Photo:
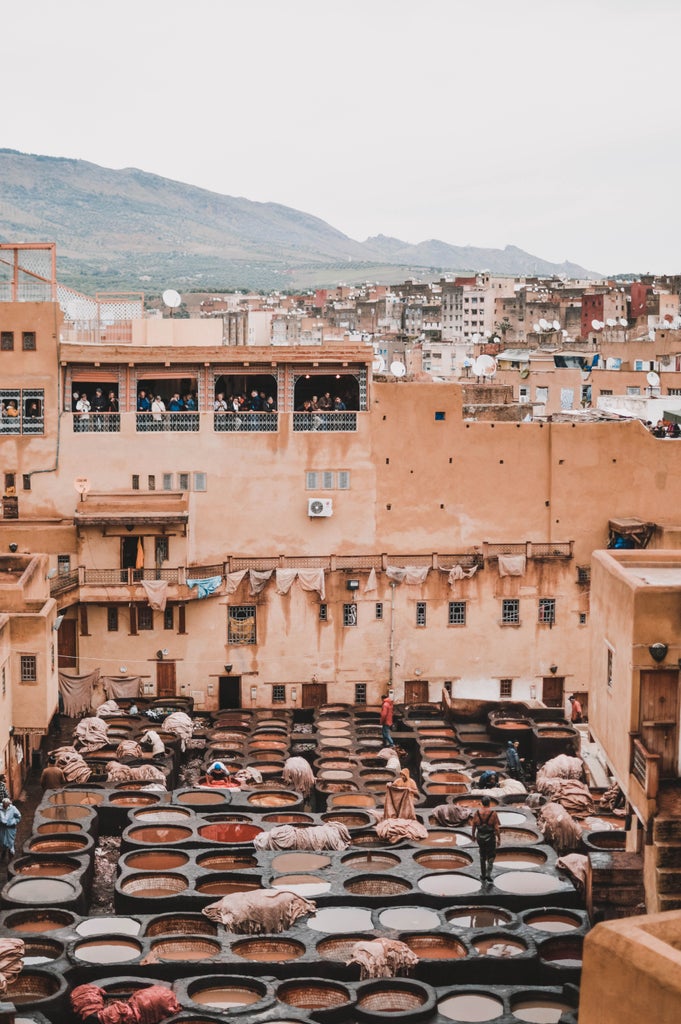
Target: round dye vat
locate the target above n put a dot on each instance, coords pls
(108, 950)
(562, 951)
(540, 1011)
(181, 924)
(156, 860)
(436, 838)
(108, 926)
(202, 798)
(611, 840)
(557, 921)
(133, 799)
(154, 886)
(513, 836)
(33, 986)
(443, 789)
(300, 862)
(443, 861)
(226, 861)
(377, 885)
(39, 921)
(66, 812)
(335, 741)
(41, 891)
(447, 777)
(410, 919)
(362, 861)
(472, 801)
(334, 774)
(82, 797)
(288, 818)
(58, 843)
(352, 800)
(269, 950)
(273, 743)
(499, 946)
(274, 799)
(224, 995)
(230, 832)
(186, 948)
(303, 885)
(228, 884)
(341, 919)
(517, 860)
(477, 917)
(40, 951)
(37, 867)
(159, 835)
(435, 946)
(65, 827)
(471, 1006)
(449, 885)
(338, 949)
(443, 753)
(527, 883)
(389, 998)
(162, 816)
(312, 994)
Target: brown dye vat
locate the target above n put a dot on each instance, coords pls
(377, 885)
(471, 1006)
(84, 797)
(107, 951)
(348, 819)
(475, 754)
(563, 734)
(334, 774)
(540, 1011)
(370, 861)
(59, 844)
(553, 921)
(385, 997)
(373, 775)
(474, 801)
(59, 826)
(269, 769)
(40, 891)
(428, 734)
(66, 812)
(477, 917)
(227, 817)
(230, 832)
(41, 950)
(181, 924)
(443, 789)
(31, 987)
(338, 787)
(303, 885)
(366, 839)
(410, 919)
(608, 840)
(225, 861)
(159, 834)
(185, 949)
(449, 885)
(226, 886)
(436, 838)
(444, 776)
(38, 921)
(335, 741)
(535, 883)
(46, 868)
(133, 799)
(274, 799)
(312, 994)
(333, 752)
(236, 737)
(341, 919)
(345, 765)
(562, 951)
(286, 862)
(204, 797)
(156, 860)
(155, 885)
(487, 766)
(275, 951)
(352, 800)
(162, 816)
(511, 723)
(225, 996)
(443, 861)
(288, 819)
(499, 946)
(518, 835)
(443, 753)
(520, 860)
(338, 949)
(268, 744)
(435, 946)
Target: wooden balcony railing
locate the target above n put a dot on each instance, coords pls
(645, 767)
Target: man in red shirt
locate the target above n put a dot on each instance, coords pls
(387, 719)
(576, 714)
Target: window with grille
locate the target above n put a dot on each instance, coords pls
(145, 617)
(162, 549)
(311, 481)
(349, 614)
(183, 481)
(241, 624)
(278, 694)
(457, 613)
(583, 573)
(63, 564)
(28, 341)
(135, 482)
(168, 617)
(167, 481)
(609, 669)
(505, 688)
(343, 480)
(29, 668)
(510, 611)
(26, 481)
(582, 619)
(200, 482)
(4, 681)
(112, 619)
(547, 610)
(7, 341)
(328, 480)
(379, 609)
(151, 482)
(323, 612)
(420, 613)
(360, 693)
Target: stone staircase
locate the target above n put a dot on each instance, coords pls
(667, 843)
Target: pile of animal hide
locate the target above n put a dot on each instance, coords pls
(130, 749)
(11, 961)
(91, 734)
(382, 958)
(145, 1006)
(298, 775)
(180, 725)
(331, 836)
(576, 865)
(558, 828)
(562, 767)
(72, 764)
(573, 795)
(259, 911)
(392, 761)
(451, 815)
(109, 707)
(392, 830)
(116, 772)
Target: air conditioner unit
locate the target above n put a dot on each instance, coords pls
(319, 507)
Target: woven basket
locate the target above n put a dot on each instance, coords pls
(31, 986)
(186, 949)
(312, 995)
(269, 950)
(434, 946)
(379, 885)
(226, 861)
(391, 1000)
(139, 885)
(43, 947)
(182, 924)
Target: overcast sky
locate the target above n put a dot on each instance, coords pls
(552, 125)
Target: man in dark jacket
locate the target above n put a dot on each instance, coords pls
(486, 830)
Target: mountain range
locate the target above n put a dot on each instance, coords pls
(128, 229)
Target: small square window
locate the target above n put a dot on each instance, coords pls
(7, 341)
(167, 481)
(168, 617)
(582, 618)
(26, 481)
(151, 482)
(447, 686)
(278, 694)
(420, 613)
(183, 481)
(135, 482)
(609, 670)
(145, 617)
(328, 480)
(360, 693)
(200, 482)
(505, 688)
(4, 681)
(311, 481)
(350, 614)
(439, 415)
(112, 619)
(28, 341)
(323, 612)
(343, 480)
(29, 668)
(379, 609)
(510, 611)
(547, 610)
(457, 613)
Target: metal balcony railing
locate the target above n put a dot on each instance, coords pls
(324, 422)
(97, 423)
(158, 422)
(246, 422)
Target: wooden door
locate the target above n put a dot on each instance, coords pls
(165, 679)
(230, 691)
(552, 691)
(314, 695)
(659, 717)
(67, 654)
(416, 691)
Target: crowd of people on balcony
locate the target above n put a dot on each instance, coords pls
(663, 428)
(256, 401)
(324, 404)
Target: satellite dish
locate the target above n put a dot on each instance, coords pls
(544, 324)
(524, 373)
(536, 328)
(651, 334)
(171, 298)
(485, 366)
(82, 484)
(623, 322)
(564, 333)
(556, 325)
(398, 369)
(378, 365)
(475, 338)
(653, 379)
(596, 324)
(611, 323)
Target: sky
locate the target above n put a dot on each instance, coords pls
(551, 125)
